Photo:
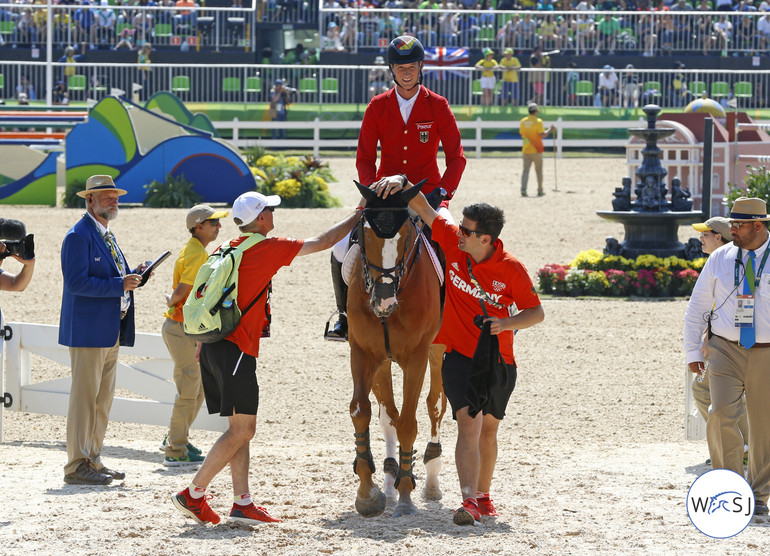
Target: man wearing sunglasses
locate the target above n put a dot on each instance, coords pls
(731, 302)
(203, 223)
(482, 280)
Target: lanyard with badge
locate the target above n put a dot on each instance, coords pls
(744, 311)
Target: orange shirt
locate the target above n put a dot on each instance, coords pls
(258, 266)
(530, 129)
(502, 276)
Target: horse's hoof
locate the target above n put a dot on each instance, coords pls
(391, 501)
(404, 509)
(432, 493)
(371, 507)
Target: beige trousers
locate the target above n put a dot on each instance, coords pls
(189, 390)
(93, 387)
(735, 370)
(702, 396)
(529, 159)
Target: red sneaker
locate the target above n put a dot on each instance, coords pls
(196, 508)
(486, 508)
(251, 515)
(468, 513)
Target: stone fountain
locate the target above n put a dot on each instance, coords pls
(650, 220)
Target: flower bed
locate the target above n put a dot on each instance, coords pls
(302, 182)
(593, 273)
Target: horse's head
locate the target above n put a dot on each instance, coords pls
(387, 237)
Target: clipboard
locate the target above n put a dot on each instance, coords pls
(149, 270)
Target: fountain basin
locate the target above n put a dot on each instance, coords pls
(654, 233)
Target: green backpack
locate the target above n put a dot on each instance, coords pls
(211, 311)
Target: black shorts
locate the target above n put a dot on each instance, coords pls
(229, 379)
(455, 372)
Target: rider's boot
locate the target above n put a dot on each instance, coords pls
(338, 332)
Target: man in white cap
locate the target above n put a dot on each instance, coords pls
(714, 233)
(731, 301)
(608, 86)
(97, 317)
(203, 223)
(228, 367)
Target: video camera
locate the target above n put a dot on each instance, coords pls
(17, 242)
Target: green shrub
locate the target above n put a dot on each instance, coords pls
(756, 184)
(173, 193)
(70, 198)
(301, 182)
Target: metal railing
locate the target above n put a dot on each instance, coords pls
(579, 32)
(326, 85)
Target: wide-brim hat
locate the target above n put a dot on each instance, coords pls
(718, 224)
(746, 208)
(99, 183)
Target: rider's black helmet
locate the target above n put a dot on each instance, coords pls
(405, 50)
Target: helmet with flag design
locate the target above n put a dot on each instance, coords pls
(405, 50)
(487, 51)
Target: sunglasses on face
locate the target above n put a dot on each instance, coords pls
(737, 225)
(271, 209)
(467, 233)
(213, 221)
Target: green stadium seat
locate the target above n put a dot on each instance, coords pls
(231, 84)
(585, 89)
(330, 86)
(720, 89)
(180, 84)
(253, 84)
(697, 88)
(743, 89)
(308, 85)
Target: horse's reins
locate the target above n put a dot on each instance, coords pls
(401, 268)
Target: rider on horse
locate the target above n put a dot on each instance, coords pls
(408, 122)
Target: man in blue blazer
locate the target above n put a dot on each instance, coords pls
(97, 316)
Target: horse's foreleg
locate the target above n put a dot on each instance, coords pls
(383, 391)
(370, 501)
(414, 374)
(436, 402)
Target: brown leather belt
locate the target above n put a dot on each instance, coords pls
(756, 345)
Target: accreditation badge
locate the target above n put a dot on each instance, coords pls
(744, 311)
(424, 128)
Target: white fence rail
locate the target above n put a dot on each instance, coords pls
(151, 378)
(476, 144)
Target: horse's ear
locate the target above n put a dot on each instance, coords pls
(366, 193)
(412, 192)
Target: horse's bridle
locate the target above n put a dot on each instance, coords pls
(376, 287)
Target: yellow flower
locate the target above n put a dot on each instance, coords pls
(258, 172)
(320, 182)
(587, 259)
(288, 188)
(267, 160)
(292, 160)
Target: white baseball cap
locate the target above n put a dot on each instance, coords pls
(248, 206)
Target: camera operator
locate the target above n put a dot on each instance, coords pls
(22, 251)
(280, 99)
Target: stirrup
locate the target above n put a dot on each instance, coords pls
(332, 337)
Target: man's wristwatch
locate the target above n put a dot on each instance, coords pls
(404, 181)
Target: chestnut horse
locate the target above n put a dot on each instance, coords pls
(394, 312)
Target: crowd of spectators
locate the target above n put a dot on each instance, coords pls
(657, 29)
(725, 26)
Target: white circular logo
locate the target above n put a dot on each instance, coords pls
(720, 503)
